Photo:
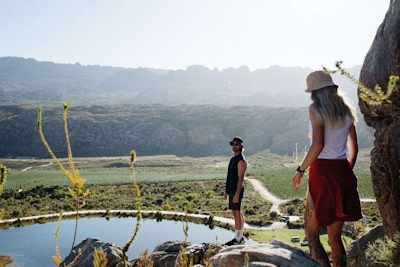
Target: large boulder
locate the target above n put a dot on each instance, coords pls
(86, 248)
(382, 61)
(272, 254)
(166, 253)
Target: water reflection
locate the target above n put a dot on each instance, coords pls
(34, 245)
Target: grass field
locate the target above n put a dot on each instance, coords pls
(274, 171)
(285, 235)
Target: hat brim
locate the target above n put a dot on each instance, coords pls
(231, 142)
(320, 85)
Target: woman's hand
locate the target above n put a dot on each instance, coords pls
(296, 180)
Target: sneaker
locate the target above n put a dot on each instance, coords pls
(235, 242)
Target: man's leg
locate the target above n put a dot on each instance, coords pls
(241, 230)
(312, 233)
(239, 221)
(335, 241)
(238, 217)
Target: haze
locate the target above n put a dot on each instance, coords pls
(176, 34)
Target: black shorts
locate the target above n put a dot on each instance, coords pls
(236, 206)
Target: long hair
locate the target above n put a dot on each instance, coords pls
(331, 107)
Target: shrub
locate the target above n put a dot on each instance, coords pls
(178, 197)
(159, 201)
(290, 210)
(166, 206)
(192, 196)
(385, 251)
(295, 225)
(249, 211)
(16, 213)
(185, 203)
(36, 201)
(209, 194)
(59, 194)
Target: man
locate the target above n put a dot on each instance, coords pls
(235, 188)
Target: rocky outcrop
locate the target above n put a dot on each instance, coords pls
(86, 251)
(167, 254)
(272, 254)
(382, 61)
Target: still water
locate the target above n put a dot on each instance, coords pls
(34, 245)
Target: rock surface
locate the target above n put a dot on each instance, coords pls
(165, 254)
(274, 253)
(382, 61)
(87, 246)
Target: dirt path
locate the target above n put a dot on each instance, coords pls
(264, 193)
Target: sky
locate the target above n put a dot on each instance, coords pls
(175, 34)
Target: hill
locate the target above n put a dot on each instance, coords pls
(190, 112)
(27, 81)
(157, 130)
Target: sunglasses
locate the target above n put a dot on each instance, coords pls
(235, 144)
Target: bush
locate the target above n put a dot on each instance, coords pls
(249, 211)
(166, 206)
(273, 215)
(178, 197)
(290, 210)
(192, 196)
(159, 201)
(385, 250)
(16, 213)
(59, 194)
(295, 225)
(209, 194)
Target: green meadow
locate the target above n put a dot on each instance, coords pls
(274, 171)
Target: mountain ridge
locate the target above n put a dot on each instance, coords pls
(27, 81)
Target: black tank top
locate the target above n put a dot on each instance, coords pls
(232, 177)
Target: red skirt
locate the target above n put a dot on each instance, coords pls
(333, 189)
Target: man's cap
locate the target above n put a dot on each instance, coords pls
(318, 80)
(236, 139)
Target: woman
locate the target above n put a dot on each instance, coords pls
(332, 195)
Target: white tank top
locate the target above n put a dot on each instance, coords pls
(335, 141)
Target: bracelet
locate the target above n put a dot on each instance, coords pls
(300, 171)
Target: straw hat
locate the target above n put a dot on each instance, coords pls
(317, 80)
